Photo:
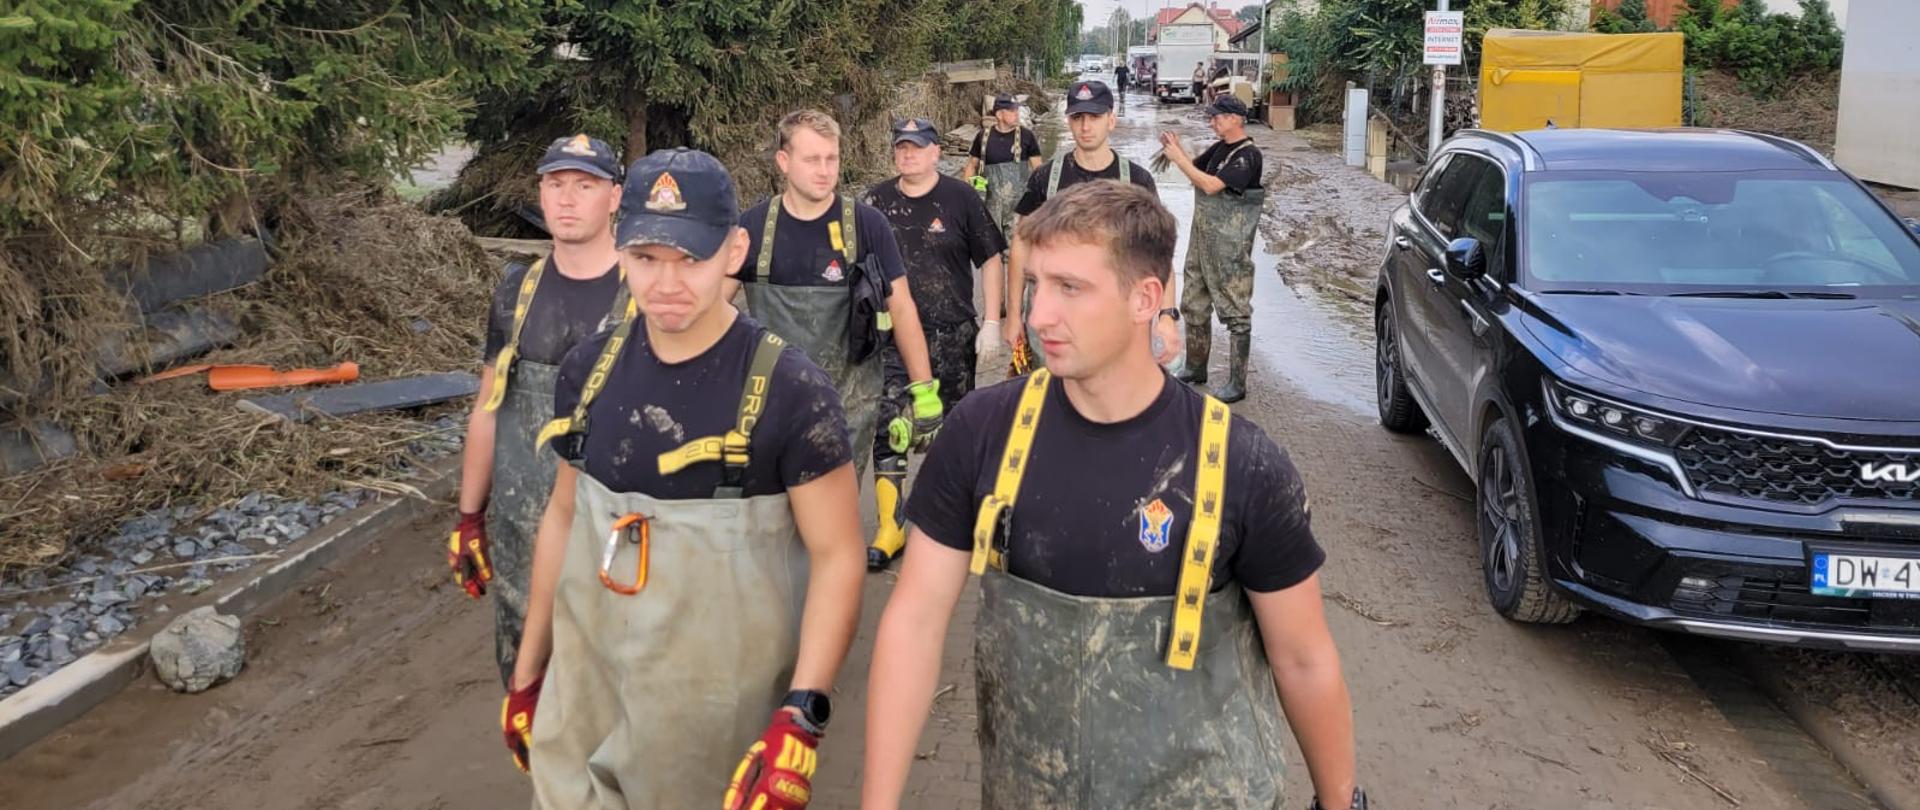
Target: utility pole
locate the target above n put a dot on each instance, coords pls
(1437, 119)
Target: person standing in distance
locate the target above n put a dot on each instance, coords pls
(1227, 200)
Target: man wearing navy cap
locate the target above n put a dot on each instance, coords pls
(944, 232)
(1090, 119)
(699, 565)
(1227, 200)
(1006, 153)
(538, 313)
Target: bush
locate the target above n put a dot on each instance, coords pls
(1767, 51)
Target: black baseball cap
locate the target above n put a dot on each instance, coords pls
(682, 198)
(1004, 103)
(1227, 105)
(1089, 97)
(917, 131)
(581, 153)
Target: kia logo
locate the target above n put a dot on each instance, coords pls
(1889, 473)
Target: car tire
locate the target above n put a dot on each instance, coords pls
(1399, 412)
(1512, 558)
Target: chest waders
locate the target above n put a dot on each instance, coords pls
(1039, 359)
(523, 470)
(1092, 702)
(675, 625)
(1219, 278)
(816, 320)
(1005, 182)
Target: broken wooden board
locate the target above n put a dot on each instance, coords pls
(167, 337)
(385, 395)
(519, 247)
(971, 70)
(203, 270)
(23, 449)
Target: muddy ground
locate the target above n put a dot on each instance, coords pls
(374, 686)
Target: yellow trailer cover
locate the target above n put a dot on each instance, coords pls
(1631, 81)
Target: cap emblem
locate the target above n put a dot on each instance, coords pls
(579, 145)
(665, 195)
(912, 126)
(1085, 93)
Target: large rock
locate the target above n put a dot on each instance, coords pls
(198, 651)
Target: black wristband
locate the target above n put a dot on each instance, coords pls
(1172, 312)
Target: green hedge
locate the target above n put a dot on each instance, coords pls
(1766, 51)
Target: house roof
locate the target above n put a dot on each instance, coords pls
(1221, 17)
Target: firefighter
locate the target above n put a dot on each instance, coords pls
(699, 565)
(944, 232)
(1006, 153)
(538, 313)
(1227, 200)
(1090, 119)
(823, 271)
(1149, 592)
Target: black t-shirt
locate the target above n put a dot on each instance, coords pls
(564, 312)
(1103, 509)
(1036, 195)
(1240, 173)
(943, 235)
(649, 407)
(803, 252)
(998, 146)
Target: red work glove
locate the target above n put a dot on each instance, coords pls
(467, 553)
(777, 772)
(516, 721)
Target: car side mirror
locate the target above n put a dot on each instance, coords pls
(1465, 260)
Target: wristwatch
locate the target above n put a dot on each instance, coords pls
(815, 708)
(1172, 312)
(1359, 801)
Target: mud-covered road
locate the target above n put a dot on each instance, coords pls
(374, 687)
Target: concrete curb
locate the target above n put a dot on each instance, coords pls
(40, 709)
(1882, 781)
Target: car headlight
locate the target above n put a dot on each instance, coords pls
(1613, 418)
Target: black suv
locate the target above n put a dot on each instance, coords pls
(1683, 370)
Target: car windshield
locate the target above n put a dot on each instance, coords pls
(1745, 234)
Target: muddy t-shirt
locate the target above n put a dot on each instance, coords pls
(803, 251)
(943, 235)
(649, 407)
(564, 312)
(1036, 195)
(1238, 170)
(1103, 509)
(998, 146)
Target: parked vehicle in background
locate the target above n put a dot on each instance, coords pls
(1092, 63)
(1682, 368)
(1142, 59)
(1181, 49)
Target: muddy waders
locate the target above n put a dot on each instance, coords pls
(523, 472)
(1219, 277)
(675, 627)
(816, 319)
(1094, 702)
(1005, 183)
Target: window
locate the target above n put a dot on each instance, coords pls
(1431, 179)
(1484, 216)
(1456, 180)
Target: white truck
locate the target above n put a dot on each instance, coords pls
(1181, 49)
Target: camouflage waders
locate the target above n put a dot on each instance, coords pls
(1005, 183)
(1219, 278)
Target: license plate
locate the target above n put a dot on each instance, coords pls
(1865, 575)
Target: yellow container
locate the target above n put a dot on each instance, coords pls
(1627, 81)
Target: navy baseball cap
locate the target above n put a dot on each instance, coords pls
(917, 131)
(583, 154)
(1089, 97)
(682, 198)
(1227, 105)
(1004, 103)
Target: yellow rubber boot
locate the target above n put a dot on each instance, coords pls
(892, 536)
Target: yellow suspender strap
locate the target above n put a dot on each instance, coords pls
(596, 380)
(1013, 465)
(503, 363)
(1203, 537)
(732, 447)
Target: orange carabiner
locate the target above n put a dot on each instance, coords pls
(635, 529)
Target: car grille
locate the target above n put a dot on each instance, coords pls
(1787, 600)
(1744, 465)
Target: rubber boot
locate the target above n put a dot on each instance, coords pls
(892, 536)
(1199, 346)
(1236, 387)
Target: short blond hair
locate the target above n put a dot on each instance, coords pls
(1138, 232)
(819, 122)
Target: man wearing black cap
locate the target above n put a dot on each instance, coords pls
(699, 564)
(538, 313)
(1227, 200)
(944, 232)
(1006, 153)
(1090, 119)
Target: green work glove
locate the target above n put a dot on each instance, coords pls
(914, 429)
(980, 183)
